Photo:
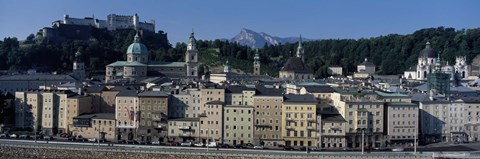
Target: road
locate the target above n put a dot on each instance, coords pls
(427, 152)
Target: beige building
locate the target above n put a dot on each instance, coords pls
(184, 129)
(472, 114)
(127, 115)
(211, 122)
(239, 95)
(75, 106)
(95, 126)
(402, 123)
(28, 109)
(331, 132)
(363, 113)
(268, 116)
(153, 116)
(299, 116)
(238, 124)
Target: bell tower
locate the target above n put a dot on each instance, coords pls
(78, 66)
(191, 57)
(256, 64)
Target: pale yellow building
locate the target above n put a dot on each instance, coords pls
(238, 124)
(268, 116)
(299, 116)
(211, 122)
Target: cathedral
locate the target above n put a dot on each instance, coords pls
(426, 65)
(138, 67)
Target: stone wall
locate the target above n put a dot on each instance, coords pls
(28, 153)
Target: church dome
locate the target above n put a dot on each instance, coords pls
(136, 47)
(428, 52)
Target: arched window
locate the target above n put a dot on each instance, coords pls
(424, 74)
(463, 74)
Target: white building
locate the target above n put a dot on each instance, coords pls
(113, 22)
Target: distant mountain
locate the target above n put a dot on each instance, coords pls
(253, 39)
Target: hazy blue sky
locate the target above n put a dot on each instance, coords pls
(212, 19)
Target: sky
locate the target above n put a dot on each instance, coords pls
(216, 19)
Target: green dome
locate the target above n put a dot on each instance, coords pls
(136, 47)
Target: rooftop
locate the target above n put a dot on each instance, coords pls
(333, 118)
(295, 64)
(97, 116)
(153, 94)
(299, 98)
(319, 89)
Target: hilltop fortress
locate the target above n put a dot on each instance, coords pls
(77, 28)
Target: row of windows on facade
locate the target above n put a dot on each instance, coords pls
(235, 119)
(298, 107)
(403, 123)
(363, 113)
(277, 128)
(362, 106)
(234, 127)
(268, 113)
(330, 131)
(295, 115)
(403, 130)
(365, 130)
(294, 133)
(364, 122)
(403, 115)
(301, 123)
(268, 107)
(235, 135)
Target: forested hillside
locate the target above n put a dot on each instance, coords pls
(392, 54)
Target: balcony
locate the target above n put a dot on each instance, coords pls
(288, 127)
(289, 119)
(310, 128)
(185, 134)
(184, 127)
(310, 119)
(263, 125)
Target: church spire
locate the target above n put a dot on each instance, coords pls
(300, 49)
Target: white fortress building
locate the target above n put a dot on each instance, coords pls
(426, 64)
(113, 22)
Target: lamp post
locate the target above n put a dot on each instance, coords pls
(35, 131)
(363, 136)
(415, 141)
(207, 143)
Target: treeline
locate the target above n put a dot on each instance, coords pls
(104, 47)
(392, 54)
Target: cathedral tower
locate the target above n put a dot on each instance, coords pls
(300, 50)
(191, 57)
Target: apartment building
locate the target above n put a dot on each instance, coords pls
(153, 114)
(238, 124)
(299, 120)
(267, 116)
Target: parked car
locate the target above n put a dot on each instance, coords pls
(186, 144)
(82, 139)
(174, 144)
(199, 144)
(288, 148)
(347, 149)
(258, 147)
(381, 148)
(92, 140)
(63, 135)
(48, 138)
(240, 146)
(13, 136)
(212, 144)
(24, 136)
(4, 135)
(156, 143)
(38, 137)
(71, 138)
(398, 149)
(102, 140)
(224, 146)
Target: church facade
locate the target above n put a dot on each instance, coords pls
(138, 67)
(295, 68)
(426, 65)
